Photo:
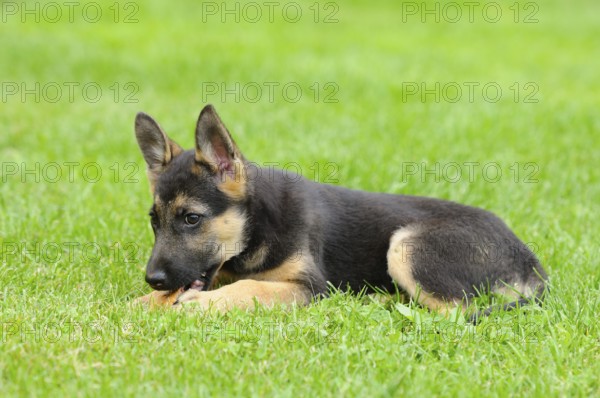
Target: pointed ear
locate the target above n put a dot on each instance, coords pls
(214, 145)
(216, 149)
(157, 148)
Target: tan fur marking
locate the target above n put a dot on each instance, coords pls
(234, 186)
(180, 200)
(246, 293)
(399, 258)
(228, 228)
(289, 270)
(192, 205)
(176, 150)
(197, 169)
(438, 305)
(257, 258)
(152, 178)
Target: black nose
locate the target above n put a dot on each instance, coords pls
(156, 280)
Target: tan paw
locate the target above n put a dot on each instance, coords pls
(190, 296)
(195, 299)
(159, 298)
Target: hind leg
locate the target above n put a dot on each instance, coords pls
(402, 260)
(441, 265)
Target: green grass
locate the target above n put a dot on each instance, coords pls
(73, 252)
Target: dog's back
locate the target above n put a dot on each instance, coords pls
(350, 233)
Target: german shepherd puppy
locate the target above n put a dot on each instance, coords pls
(267, 237)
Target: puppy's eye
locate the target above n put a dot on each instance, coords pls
(192, 219)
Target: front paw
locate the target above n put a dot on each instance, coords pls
(190, 296)
(159, 298)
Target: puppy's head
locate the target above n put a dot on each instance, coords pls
(198, 215)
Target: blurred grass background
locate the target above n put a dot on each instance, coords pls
(364, 58)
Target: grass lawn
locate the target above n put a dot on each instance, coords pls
(493, 110)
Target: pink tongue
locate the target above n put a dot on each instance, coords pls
(198, 285)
